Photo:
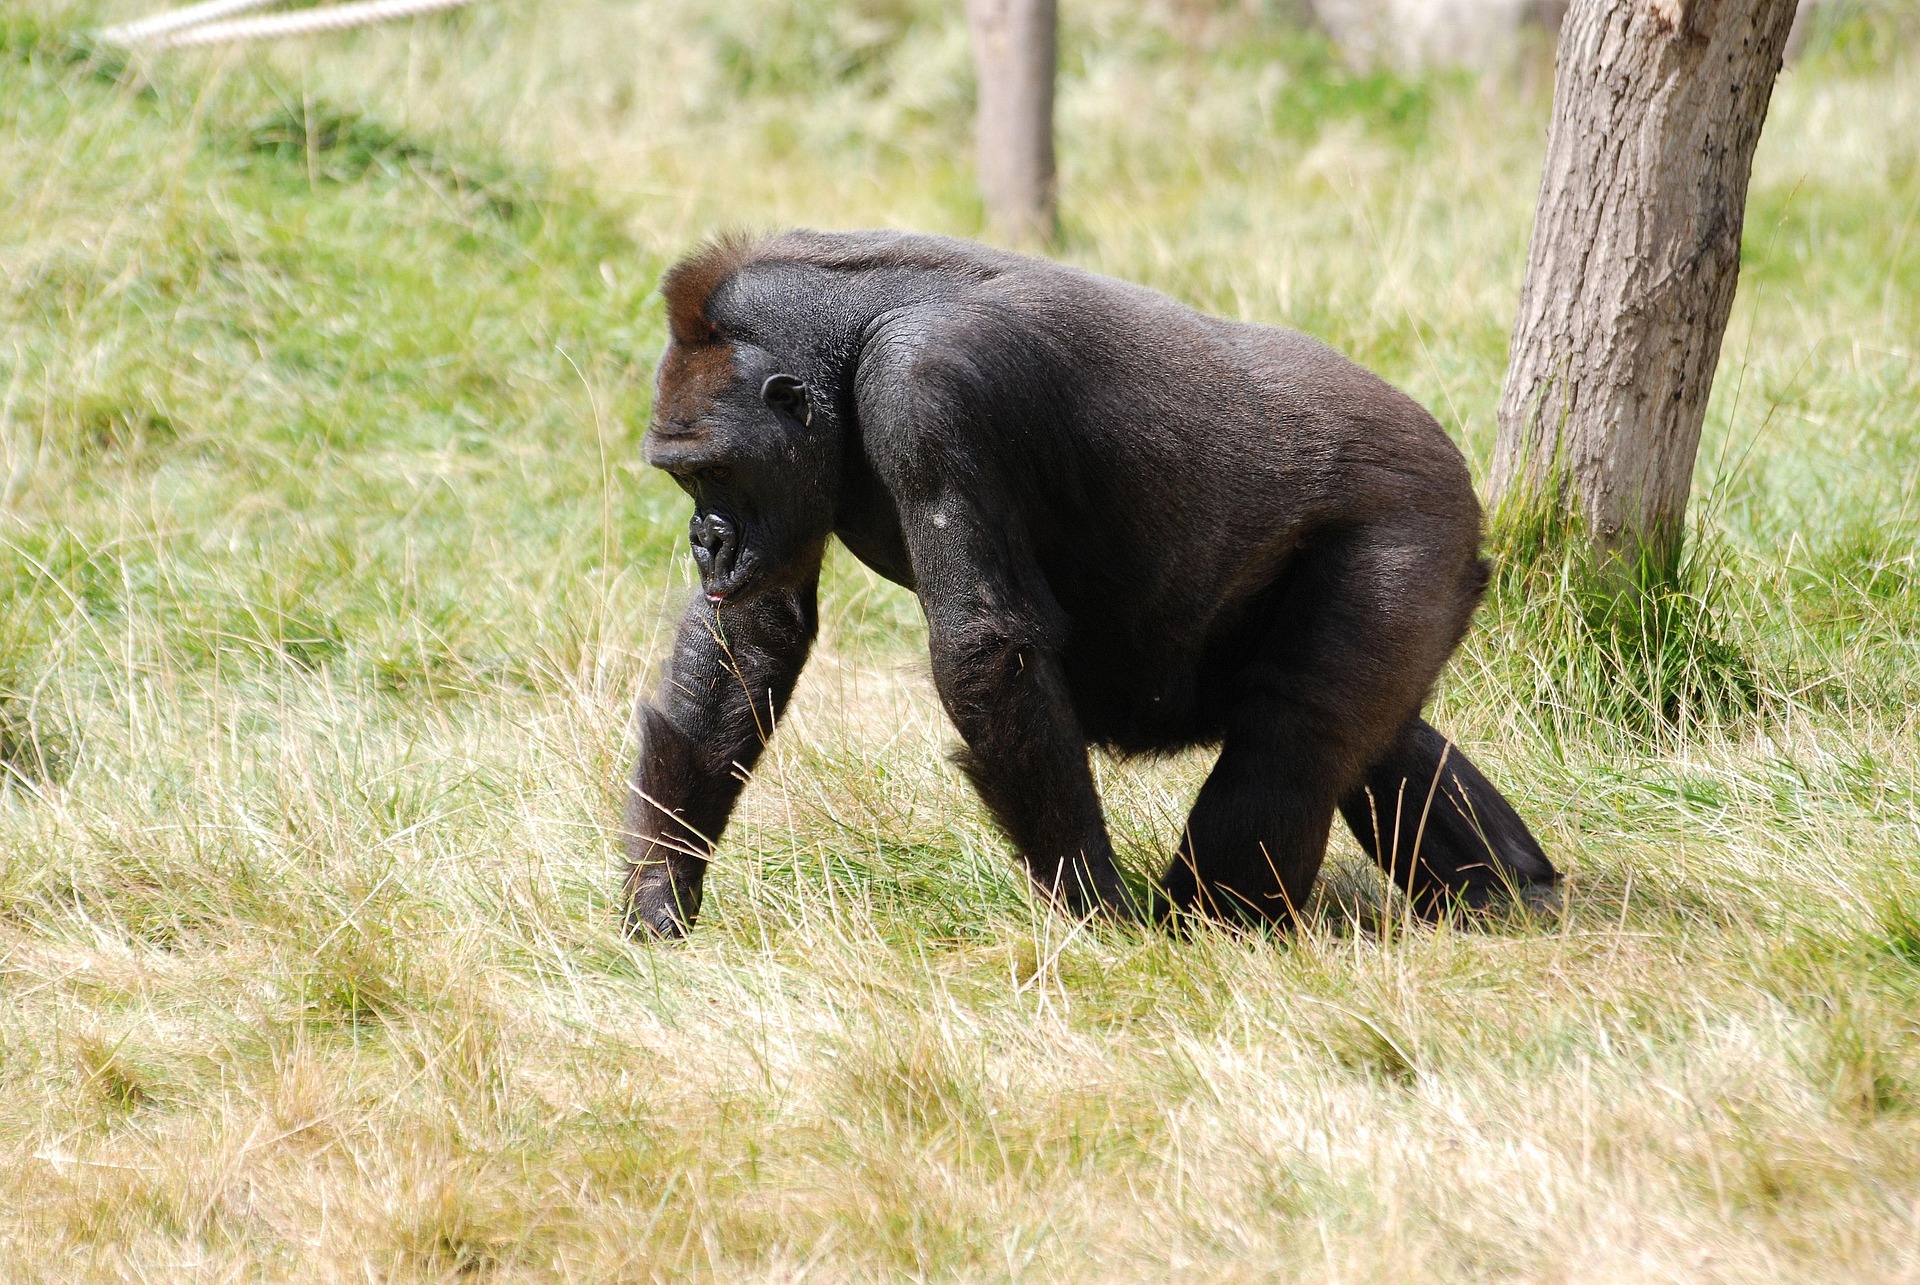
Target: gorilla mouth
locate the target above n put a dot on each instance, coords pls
(735, 584)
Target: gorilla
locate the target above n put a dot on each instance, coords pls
(1128, 524)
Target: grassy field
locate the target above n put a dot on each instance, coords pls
(329, 570)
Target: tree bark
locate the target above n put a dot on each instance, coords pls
(1013, 54)
(1657, 106)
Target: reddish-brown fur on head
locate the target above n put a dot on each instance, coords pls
(691, 282)
(699, 361)
(691, 377)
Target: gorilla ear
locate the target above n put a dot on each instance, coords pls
(787, 394)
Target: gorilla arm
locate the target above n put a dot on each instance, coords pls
(732, 671)
(999, 678)
(994, 628)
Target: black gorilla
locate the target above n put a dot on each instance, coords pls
(1126, 522)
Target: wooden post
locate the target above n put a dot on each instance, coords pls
(1014, 45)
(1657, 106)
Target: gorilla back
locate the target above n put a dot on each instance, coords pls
(1126, 522)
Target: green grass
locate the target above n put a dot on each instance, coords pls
(329, 571)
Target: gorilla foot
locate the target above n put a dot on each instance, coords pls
(1539, 901)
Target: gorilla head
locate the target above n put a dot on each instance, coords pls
(737, 428)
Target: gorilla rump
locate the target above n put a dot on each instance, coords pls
(1127, 523)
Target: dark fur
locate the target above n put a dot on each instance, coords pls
(1128, 524)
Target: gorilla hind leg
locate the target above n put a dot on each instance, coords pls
(1347, 641)
(1300, 719)
(1255, 839)
(1440, 829)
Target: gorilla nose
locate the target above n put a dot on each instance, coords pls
(715, 545)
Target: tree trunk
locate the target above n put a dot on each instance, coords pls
(1657, 105)
(1013, 56)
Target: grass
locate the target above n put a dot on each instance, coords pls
(329, 571)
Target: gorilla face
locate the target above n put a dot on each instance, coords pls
(741, 436)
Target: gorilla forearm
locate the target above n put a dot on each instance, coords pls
(1026, 756)
(732, 673)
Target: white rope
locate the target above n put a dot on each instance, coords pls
(160, 24)
(177, 30)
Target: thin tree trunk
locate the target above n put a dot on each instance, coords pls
(1636, 250)
(1013, 56)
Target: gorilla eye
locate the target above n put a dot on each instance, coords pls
(719, 473)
